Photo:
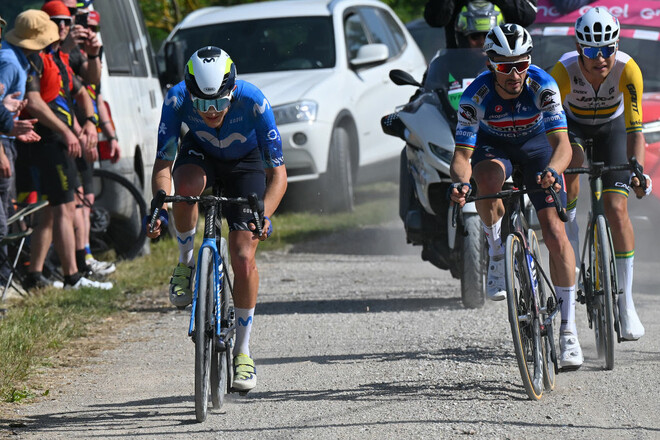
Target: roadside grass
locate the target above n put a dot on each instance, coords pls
(35, 328)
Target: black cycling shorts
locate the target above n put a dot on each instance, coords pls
(609, 146)
(236, 178)
(85, 172)
(46, 167)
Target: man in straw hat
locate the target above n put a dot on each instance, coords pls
(32, 32)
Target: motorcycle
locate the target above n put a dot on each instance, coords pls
(427, 124)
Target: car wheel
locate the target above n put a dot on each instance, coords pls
(337, 182)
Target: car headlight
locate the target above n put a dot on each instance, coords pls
(301, 111)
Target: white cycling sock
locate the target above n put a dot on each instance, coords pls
(244, 319)
(494, 237)
(186, 241)
(573, 230)
(567, 297)
(624, 271)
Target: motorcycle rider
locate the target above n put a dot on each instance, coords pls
(513, 115)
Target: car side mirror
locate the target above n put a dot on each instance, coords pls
(371, 54)
(174, 63)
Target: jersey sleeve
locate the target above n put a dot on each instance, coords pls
(268, 136)
(560, 75)
(469, 114)
(169, 127)
(632, 86)
(548, 100)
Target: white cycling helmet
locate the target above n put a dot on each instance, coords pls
(597, 28)
(508, 40)
(210, 73)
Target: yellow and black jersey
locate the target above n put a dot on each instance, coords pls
(621, 92)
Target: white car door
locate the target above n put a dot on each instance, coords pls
(375, 94)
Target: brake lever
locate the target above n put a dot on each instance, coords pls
(156, 203)
(638, 171)
(253, 201)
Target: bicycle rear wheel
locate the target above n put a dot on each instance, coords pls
(220, 361)
(525, 326)
(605, 287)
(116, 216)
(547, 330)
(203, 332)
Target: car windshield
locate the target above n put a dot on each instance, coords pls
(549, 48)
(278, 44)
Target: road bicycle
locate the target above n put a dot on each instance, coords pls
(212, 323)
(598, 287)
(531, 300)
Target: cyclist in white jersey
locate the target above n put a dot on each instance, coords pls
(601, 89)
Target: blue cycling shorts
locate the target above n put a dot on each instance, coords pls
(531, 158)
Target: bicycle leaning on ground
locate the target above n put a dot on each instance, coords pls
(531, 300)
(212, 325)
(599, 282)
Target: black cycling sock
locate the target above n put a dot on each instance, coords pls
(80, 259)
(70, 280)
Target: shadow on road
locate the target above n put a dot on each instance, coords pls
(358, 305)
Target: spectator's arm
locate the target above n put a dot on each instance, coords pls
(6, 120)
(40, 110)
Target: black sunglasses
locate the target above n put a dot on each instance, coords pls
(58, 20)
(93, 27)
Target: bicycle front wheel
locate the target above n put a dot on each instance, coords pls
(547, 329)
(605, 287)
(220, 361)
(525, 326)
(203, 332)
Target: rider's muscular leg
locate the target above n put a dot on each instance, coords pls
(562, 259)
(572, 193)
(489, 176)
(189, 180)
(616, 211)
(242, 248)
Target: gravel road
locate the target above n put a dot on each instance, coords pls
(356, 337)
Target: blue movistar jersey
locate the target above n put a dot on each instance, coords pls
(249, 124)
(536, 110)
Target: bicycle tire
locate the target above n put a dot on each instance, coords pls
(548, 338)
(203, 332)
(525, 326)
(604, 285)
(475, 261)
(117, 214)
(219, 360)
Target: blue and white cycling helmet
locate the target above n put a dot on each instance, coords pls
(210, 74)
(597, 28)
(508, 40)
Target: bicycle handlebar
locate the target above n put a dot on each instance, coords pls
(599, 168)
(252, 201)
(511, 193)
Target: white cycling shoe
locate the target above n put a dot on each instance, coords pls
(495, 284)
(631, 327)
(570, 352)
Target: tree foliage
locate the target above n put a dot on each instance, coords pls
(161, 16)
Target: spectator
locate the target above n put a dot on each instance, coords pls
(439, 13)
(50, 98)
(32, 32)
(84, 258)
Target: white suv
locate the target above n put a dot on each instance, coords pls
(324, 67)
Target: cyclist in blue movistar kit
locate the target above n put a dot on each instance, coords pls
(232, 141)
(512, 114)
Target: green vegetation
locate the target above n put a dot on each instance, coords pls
(161, 16)
(36, 328)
